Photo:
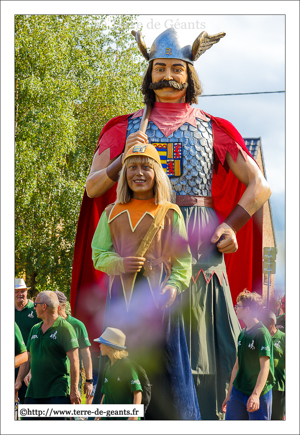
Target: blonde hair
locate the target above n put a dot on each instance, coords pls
(119, 354)
(250, 299)
(162, 186)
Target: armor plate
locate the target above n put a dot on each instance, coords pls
(195, 177)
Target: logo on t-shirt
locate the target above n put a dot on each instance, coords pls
(265, 348)
(277, 344)
(135, 382)
(34, 336)
(31, 315)
(53, 336)
(239, 343)
(251, 345)
(105, 380)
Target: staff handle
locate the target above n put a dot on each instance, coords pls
(145, 118)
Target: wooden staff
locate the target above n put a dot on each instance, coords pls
(145, 119)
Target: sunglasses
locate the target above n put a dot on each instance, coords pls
(239, 306)
(36, 303)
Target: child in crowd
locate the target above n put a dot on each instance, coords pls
(121, 384)
(249, 395)
(141, 243)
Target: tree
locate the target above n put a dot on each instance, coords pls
(72, 74)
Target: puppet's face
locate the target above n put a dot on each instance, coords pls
(170, 70)
(141, 180)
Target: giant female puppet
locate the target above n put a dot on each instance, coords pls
(218, 187)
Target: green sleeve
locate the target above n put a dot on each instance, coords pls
(103, 254)
(265, 345)
(83, 338)
(135, 383)
(181, 256)
(69, 337)
(20, 346)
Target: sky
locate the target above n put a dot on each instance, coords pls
(260, 52)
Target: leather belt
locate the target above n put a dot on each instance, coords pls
(190, 200)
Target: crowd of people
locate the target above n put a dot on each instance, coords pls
(58, 344)
(157, 217)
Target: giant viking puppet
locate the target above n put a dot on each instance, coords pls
(220, 191)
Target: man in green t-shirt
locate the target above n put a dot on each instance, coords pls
(25, 318)
(50, 344)
(250, 390)
(278, 338)
(84, 344)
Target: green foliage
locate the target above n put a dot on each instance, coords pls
(72, 74)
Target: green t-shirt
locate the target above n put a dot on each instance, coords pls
(48, 354)
(119, 382)
(25, 319)
(81, 332)
(252, 345)
(19, 342)
(279, 360)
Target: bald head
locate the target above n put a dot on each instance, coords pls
(49, 298)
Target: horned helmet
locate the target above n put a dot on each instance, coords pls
(167, 46)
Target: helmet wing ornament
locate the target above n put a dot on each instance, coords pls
(141, 43)
(204, 42)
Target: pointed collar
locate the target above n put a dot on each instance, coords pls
(170, 116)
(136, 210)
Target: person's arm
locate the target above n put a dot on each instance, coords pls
(23, 371)
(27, 378)
(137, 400)
(87, 363)
(99, 418)
(98, 180)
(103, 254)
(253, 401)
(233, 376)
(256, 194)
(74, 369)
(20, 359)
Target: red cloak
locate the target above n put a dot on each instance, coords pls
(244, 268)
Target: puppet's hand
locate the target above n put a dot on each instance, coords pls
(133, 264)
(167, 296)
(136, 138)
(228, 243)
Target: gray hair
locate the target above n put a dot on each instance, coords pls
(49, 298)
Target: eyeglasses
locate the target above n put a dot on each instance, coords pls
(239, 306)
(36, 303)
